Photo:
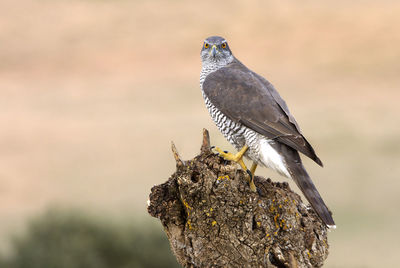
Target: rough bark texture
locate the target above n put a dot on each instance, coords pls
(212, 219)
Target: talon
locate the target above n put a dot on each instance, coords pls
(249, 172)
(251, 181)
(238, 158)
(233, 157)
(215, 150)
(253, 187)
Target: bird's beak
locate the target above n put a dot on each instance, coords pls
(213, 51)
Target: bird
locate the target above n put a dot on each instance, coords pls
(255, 119)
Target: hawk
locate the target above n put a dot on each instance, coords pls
(255, 119)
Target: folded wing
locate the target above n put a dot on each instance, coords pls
(248, 98)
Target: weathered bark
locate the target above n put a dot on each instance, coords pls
(212, 219)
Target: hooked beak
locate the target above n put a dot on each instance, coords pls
(213, 51)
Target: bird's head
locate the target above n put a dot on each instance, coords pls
(216, 50)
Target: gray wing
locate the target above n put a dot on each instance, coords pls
(246, 97)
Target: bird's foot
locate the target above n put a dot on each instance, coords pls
(253, 187)
(238, 158)
(251, 173)
(226, 162)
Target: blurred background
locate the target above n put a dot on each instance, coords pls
(93, 91)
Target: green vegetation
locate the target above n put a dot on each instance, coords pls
(73, 240)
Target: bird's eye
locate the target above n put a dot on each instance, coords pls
(223, 45)
(206, 45)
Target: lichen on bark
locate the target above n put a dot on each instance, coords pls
(213, 219)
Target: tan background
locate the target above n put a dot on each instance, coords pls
(92, 92)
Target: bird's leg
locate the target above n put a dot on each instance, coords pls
(253, 171)
(238, 158)
(253, 168)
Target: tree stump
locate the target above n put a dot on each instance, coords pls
(213, 219)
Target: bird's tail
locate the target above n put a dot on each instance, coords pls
(303, 181)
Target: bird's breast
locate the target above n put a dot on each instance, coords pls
(261, 149)
(233, 131)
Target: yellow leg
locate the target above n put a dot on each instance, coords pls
(238, 158)
(253, 168)
(232, 157)
(251, 182)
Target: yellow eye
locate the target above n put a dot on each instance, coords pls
(206, 45)
(223, 45)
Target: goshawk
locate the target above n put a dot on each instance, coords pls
(255, 119)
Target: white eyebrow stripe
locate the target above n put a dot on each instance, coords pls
(223, 41)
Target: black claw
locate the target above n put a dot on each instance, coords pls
(226, 152)
(216, 153)
(252, 180)
(249, 172)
